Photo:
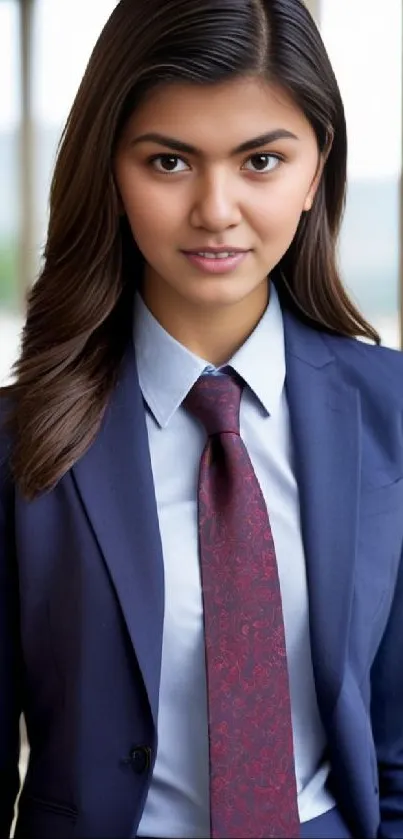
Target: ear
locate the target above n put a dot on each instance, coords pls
(323, 156)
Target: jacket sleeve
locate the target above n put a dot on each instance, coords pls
(10, 657)
(387, 717)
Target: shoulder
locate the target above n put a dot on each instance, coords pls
(376, 375)
(375, 369)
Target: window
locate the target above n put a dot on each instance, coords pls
(10, 187)
(65, 33)
(365, 47)
(60, 50)
(9, 124)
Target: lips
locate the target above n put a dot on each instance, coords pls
(214, 255)
(221, 262)
(216, 251)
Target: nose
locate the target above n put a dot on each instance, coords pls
(215, 206)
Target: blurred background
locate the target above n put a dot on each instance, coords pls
(44, 48)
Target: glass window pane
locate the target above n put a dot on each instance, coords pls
(61, 52)
(9, 204)
(366, 51)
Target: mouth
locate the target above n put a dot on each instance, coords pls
(217, 261)
(222, 252)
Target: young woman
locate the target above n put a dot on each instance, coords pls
(201, 482)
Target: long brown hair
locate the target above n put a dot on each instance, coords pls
(79, 310)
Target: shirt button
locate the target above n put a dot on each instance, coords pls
(140, 759)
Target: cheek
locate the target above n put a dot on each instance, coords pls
(151, 214)
(278, 212)
(149, 209)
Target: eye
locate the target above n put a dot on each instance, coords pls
(264, 162)
(167, 164)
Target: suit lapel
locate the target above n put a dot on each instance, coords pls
(114, 479)
(326, 428)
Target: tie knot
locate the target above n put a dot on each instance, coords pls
(215, 401)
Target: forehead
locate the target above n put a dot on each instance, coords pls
(215, 116)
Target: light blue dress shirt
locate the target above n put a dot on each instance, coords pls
(178, 800)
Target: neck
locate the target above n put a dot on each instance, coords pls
(213, 333)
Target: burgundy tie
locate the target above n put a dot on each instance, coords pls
(252, 774)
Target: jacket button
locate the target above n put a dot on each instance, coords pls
(140, 759)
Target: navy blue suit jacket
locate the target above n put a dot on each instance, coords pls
(82, 602)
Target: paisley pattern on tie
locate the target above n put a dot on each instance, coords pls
(252, 773)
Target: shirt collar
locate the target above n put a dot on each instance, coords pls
(167, 370)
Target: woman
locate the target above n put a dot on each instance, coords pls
(201, 467)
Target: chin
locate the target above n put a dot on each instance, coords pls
(218, 297)
(227, 291)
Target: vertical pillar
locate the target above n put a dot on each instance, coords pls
(27, 260)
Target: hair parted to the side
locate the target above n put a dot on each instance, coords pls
(79, 310)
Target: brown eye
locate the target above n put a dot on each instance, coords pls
(167, 163)
(264, 162)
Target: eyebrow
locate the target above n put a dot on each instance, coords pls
(185, 148)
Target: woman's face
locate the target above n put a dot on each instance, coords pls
(231, 166)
